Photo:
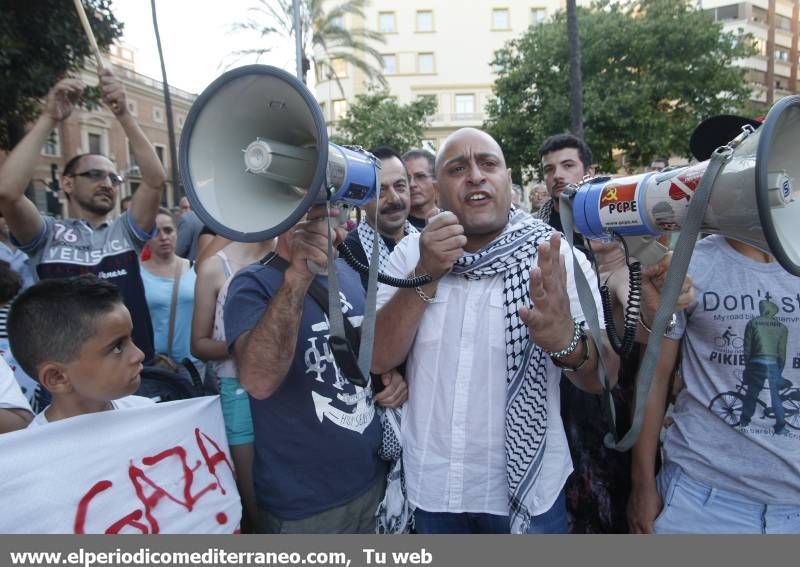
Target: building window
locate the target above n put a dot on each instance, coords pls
(497, 66)
(134, 187)
(51, 146)
(158, 114)
(133, 167)
(538, 16)
(424, 21)
(386, 22)
(339, 108)
(781, 54)
(133, 108)
(783, 23)
(339, 67)
(324, 108)
(759, 15)
(389, 64)
(95, 143)
(500, 19)
(425, 63)
(730, 12)
(161, 153)
(465, 104)
(338, 22)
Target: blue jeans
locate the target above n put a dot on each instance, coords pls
(759, 369)
(554, 521)
(693, 507)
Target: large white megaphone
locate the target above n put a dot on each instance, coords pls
(254, 156)
(755, 199)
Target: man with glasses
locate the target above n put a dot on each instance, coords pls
(420, 166)
(89, 242)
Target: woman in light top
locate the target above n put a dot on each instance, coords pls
(159, 275)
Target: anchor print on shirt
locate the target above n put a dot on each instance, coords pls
(345, 405)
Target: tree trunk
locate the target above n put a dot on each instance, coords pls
(575, 79)
(177, 188)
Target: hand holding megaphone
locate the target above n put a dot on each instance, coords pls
(309, 241)
(653, 278)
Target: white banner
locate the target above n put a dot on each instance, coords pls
(164, 468)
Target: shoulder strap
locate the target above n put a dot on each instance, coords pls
(176, 283)
(318, 294)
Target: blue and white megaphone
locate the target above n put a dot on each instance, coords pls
(254, 156)
(755, 198)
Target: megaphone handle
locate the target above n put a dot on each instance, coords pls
(315, 268)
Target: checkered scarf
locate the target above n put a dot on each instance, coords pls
(513, 254)
(366, 234)
(546, 210)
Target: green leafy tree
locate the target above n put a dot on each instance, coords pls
(652, 70)
(324, 35)
(41, 42)
(377, 118)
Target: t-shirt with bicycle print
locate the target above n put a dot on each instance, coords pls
(737, 420)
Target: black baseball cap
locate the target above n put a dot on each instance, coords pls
(715, 132)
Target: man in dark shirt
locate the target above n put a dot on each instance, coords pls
(420, 165)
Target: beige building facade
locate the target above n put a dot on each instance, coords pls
(436, 48)
(97, 131)
(443, 49)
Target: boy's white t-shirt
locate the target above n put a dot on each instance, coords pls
(122, 403)
(11, 396)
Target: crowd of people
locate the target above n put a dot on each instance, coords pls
(481, 413)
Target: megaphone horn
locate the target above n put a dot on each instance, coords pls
(755, 199)
(255, 156)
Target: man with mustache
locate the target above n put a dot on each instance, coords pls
(90, 242)
(484, 447)
(392, 205)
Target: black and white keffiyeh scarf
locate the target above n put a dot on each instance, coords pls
(367, 234)
(513, 254)
(546, 210)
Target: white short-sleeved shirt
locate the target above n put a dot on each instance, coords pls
(453, 428)
(122, 403)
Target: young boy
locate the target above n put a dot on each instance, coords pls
(74, 336)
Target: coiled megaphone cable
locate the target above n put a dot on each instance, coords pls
(406, 283)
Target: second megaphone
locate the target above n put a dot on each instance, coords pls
(755, 199)
(254, 156)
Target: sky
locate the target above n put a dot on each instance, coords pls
(195, 38)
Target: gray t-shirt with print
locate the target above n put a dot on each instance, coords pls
(741, 340)
(71, 247)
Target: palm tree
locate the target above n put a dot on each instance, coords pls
(323, 34)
